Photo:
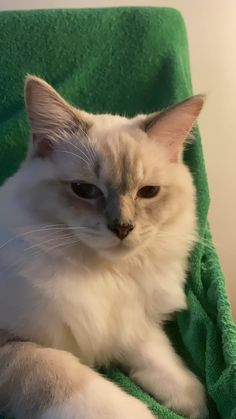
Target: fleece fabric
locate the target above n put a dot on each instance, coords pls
(126, 60)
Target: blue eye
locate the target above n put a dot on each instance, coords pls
(86, 190)
(148, 192)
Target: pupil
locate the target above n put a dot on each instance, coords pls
(86, 190)
(148, 191)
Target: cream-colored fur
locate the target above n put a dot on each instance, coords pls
(69, 283)
(92, 403)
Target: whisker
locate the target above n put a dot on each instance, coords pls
(67, 244)
(84, 132)
(39, 230)
(91, 148)
(79, 149)
(93, 156)
(76, 155)
(90, 151)
(68, 141)
(38, 249)
(66, 135)
(42, 243)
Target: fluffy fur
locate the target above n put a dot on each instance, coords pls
(67, 282)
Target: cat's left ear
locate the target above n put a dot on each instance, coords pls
(49, 115)
(172, 126)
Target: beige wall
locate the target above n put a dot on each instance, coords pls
(212, 38)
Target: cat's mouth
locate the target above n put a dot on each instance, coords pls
(110, 246)
(120, 250)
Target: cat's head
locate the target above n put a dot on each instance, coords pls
(114, 182)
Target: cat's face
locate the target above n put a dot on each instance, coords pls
(114, 182)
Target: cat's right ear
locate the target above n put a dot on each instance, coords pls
(49, 115)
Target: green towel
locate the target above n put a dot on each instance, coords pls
(126, 60)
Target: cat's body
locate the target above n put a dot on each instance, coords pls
(68, 282)
(98, 301)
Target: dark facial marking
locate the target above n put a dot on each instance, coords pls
(97, 168)
(113, 205)
(128, 172)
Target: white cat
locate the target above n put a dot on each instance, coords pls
(96, 228)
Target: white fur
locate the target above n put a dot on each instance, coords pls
(98, 299)
(98, 312)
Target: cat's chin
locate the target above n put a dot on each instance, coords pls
(119, 251)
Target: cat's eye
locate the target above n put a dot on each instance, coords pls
(148, 191)
(86, 190)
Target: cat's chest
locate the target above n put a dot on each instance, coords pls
(100, 313)
(105, 312)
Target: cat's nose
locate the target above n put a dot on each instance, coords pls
(121, 230)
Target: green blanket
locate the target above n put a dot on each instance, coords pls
(126, 60)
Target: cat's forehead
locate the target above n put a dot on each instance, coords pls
(102, 123)
(124, 151)
(112, 152)
(119, 160)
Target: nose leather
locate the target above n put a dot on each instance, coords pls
(120, 230)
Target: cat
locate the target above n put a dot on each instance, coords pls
(96, 228)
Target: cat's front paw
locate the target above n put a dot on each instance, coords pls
(99, 400)
(74, 409)
(190, 402)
